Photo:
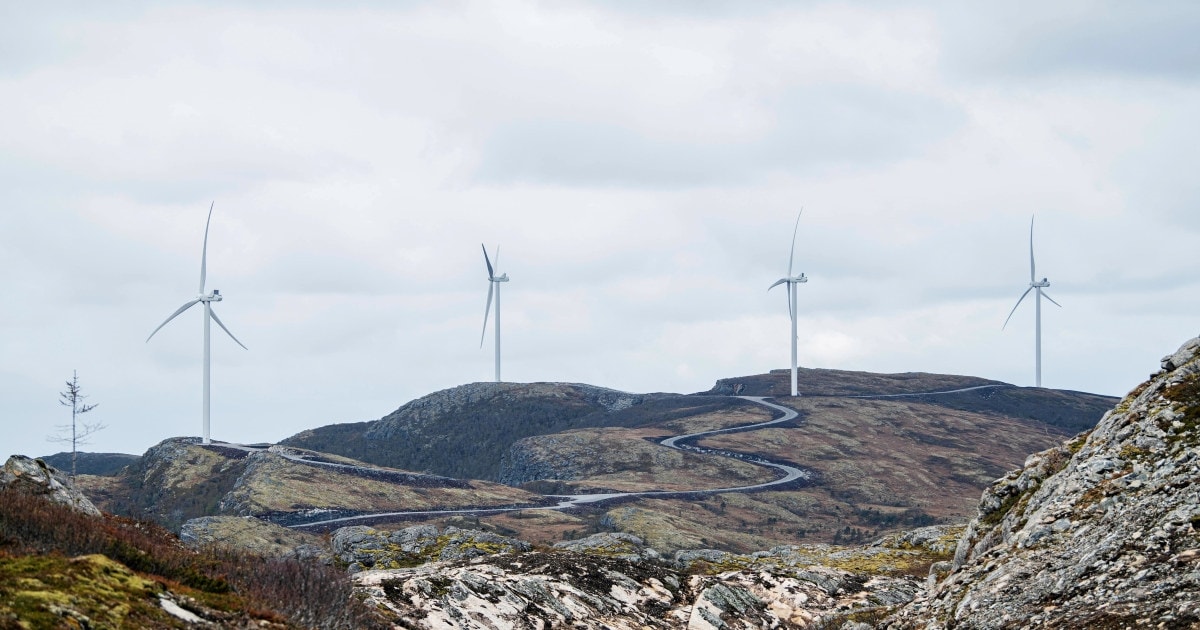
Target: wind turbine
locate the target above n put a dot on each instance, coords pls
(493, 285)
(209, 316)
(1034, 285)
(791, 282)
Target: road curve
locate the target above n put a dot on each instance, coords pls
(787, 472)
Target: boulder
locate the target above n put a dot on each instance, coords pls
(613, 544)
(34, 476)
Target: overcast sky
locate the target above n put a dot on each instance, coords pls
(641, 169)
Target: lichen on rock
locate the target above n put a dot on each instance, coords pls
(1103, 531)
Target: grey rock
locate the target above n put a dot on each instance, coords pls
(1086, 533)
(34, 476)
(613, 544)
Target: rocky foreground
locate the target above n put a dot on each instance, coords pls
(612, 580)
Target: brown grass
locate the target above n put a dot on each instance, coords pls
(308, 595)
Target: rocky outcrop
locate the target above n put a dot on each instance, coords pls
(613, 545)
(254, 536)
(1103, 531)
(34, 476)
(364, 548)
(613, 580)
(603, 590)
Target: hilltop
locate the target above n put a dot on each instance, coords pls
(882, 452)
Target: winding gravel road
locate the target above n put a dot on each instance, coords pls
(787, 472)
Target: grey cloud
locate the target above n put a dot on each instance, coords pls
(1061, 39)
(816, 127)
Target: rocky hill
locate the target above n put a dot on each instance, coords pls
(181, 479)
(915, 450)
(464, 431)
(1067, 411)
(1102, 531)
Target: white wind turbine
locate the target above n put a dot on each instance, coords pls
(493, 285)
(1034, 285)
(207, 299)
(791, 282)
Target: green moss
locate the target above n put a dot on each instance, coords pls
(993, 518)
(91, 591)
(1131, 452)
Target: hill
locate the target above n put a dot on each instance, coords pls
(888, 451)
(92, 463)
(465, 431)
(181, 479)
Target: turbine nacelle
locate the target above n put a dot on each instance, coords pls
(215, 296)
(1040, 285)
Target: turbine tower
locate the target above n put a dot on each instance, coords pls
(1034, 285)
(209, 316)
(493, 286)
(791, 282)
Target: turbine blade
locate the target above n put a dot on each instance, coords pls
(497, 261)
(1032, 273)
(173, 316)
(491, 273)
(777, 283)
(792, 302)
(222, 325)
(792, 255)
(1051, 299)
(204, 252)
(486, 311)
(1014, 309)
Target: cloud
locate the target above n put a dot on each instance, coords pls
(1074, 39)
(815, 128)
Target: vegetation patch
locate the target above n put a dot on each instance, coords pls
(993, 518)
(132, 561)
(1187, 396)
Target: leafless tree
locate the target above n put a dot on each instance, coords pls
(77, 432)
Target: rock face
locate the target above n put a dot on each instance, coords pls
(1103, 531)
(34, 476)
